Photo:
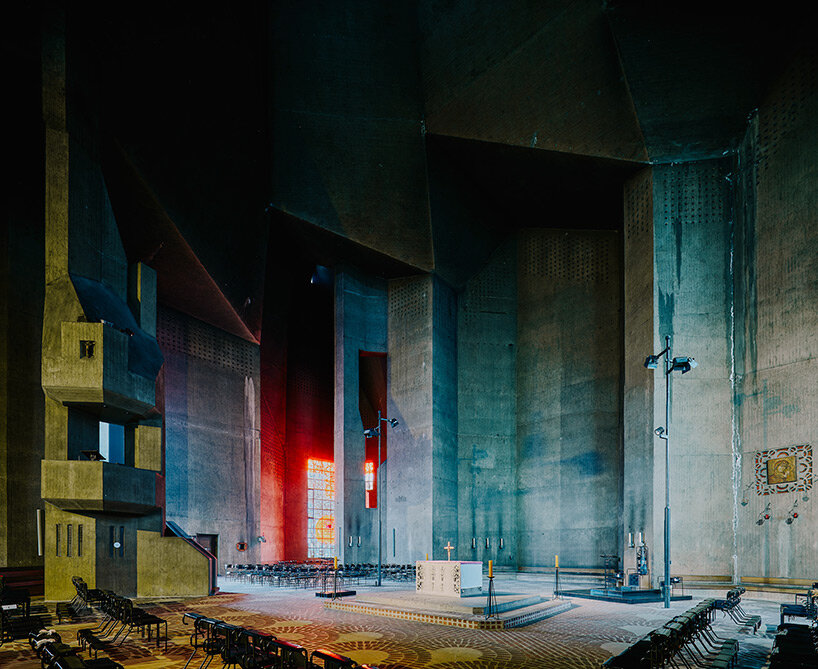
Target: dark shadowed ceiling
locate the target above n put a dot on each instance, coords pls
(408, 136)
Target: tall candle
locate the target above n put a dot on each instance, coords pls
(557, 561)
(427, 557)
(491, 570)
(335, 562)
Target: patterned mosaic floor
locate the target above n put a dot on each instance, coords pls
(580, 638)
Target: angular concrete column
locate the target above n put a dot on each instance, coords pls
(360, 325)
(421, 491)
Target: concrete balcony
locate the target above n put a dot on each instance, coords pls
(83, 485)
(94, 368)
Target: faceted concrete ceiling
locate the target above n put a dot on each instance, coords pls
(391, 125)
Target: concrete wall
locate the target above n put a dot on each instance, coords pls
(22, 413)
(777, 304)
(479, 65)
(169, 567)
(349, 153)
(637, 396)
(211, 382)
(693, 230)
(360, 325)
(486, 410)
(569, 465)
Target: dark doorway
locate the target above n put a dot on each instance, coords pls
(210, 542)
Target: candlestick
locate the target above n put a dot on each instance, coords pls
(557, 561)
(335, 562)
(491, 570)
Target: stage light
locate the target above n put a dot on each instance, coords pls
(793, 513)
(683, 364)
(371, 432)
(652, 361)
(744, 500)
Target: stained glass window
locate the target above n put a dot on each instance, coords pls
(369, 475)
(369, 485)
(320, 508)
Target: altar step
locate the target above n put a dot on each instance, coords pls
(512, 610)
(507, 605)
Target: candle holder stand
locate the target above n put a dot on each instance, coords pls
(491, 600)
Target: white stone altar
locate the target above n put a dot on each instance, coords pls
(449, 578)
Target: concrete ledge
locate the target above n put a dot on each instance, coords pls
(82, 485)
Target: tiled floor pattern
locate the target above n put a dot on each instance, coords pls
(580, 638)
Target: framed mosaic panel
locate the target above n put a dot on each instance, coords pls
(783, 470)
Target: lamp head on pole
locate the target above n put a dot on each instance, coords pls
(683, 364)
(392, 421)
(372, 432)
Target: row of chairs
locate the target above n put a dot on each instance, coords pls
(54, 654)
(307, 575)
(794, 647)
(120, 618)
(251, 649)
(687, 640)
(731, 606)
(804, 607)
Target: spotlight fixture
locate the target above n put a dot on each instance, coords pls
(660, 432)
(372, 432)
(744, 500)
(764, 515)
(652, 361)
(392, 421)
(683, 364)
(262, 539)
(793, 513)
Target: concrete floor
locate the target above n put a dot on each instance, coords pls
(582, 637)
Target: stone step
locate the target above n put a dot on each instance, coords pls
(534, 613)
(511, 605)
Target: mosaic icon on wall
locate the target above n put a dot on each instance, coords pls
(782, 470)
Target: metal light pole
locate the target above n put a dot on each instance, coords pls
(380, 509)
(666, 436)
(376, 432)
(683, 364)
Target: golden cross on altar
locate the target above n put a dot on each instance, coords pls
(450, 548)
